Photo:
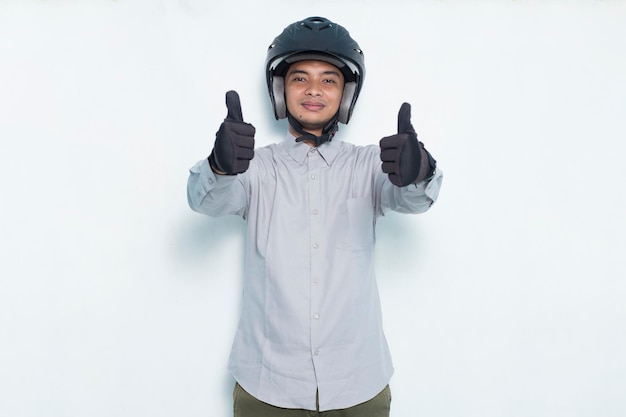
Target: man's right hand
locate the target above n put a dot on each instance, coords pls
(234, 141)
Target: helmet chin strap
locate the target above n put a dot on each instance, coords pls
(327, 133)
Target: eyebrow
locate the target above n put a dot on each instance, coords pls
(298, 71)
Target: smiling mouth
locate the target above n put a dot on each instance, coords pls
(313, 106)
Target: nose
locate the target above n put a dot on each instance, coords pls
(313, 89)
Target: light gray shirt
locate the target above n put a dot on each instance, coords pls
(311, 317)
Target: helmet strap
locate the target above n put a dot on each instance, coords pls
(328, 132)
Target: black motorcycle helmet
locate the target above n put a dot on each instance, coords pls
(315, 38)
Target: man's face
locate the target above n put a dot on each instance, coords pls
(313, 91)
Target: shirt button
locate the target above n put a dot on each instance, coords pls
(316, 280)
(316, 316)
(314, 211)
(316, 352)
(315, 246)
(313, 177)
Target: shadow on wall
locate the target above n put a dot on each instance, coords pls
(201, 241)
(201, 236)
(399, 245)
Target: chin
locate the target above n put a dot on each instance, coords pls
(316, 123)
(317, 129)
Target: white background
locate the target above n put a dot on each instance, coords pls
(506, 299)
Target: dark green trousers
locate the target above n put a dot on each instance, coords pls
(245, 405)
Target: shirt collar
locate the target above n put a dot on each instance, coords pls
(299, 150)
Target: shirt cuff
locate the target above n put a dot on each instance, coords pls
(430, 186)
(209, 178)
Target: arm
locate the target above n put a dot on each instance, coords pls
(213, 187)
(215, 195)
(414, 198)
(413, 178)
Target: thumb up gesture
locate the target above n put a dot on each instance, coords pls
(234, 141)
(403, 157)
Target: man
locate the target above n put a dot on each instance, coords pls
(310, 338)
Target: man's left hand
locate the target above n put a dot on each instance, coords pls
(404, 158)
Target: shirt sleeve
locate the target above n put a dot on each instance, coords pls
(215, 195)
(414, 198)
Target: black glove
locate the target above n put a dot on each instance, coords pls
(404, 158)
(234, 141)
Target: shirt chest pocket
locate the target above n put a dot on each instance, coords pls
(354, 224)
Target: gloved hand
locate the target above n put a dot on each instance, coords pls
(234, 141)
(404, 158)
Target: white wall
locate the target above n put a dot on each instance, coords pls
(506, 299)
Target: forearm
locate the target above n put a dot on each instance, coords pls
(213, 194)
(414, 198)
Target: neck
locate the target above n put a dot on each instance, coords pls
(307, 141)
(312, 138)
